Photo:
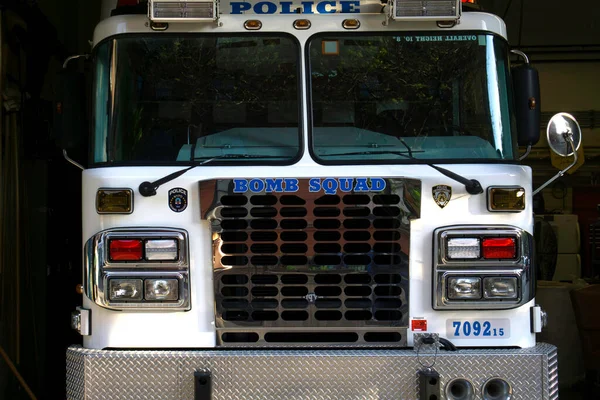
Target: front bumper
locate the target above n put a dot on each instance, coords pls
(302, 374)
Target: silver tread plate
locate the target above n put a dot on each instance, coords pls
(302, 374)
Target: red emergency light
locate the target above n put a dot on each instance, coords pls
(125, 250)
(499, 248)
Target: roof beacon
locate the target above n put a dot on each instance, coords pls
(182, 11)
(423, 10)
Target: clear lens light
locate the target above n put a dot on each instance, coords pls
(183, 9)
(125, 289)
(429, 8)
(500, 288)
(461, 288)
(157, 250)
(162, 289)
(463, 248)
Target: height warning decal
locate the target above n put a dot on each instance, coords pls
(437, 38)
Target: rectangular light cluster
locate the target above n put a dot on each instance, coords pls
(439, 10)
(183, 11)
(138, 268)
(137, 290)
(482, 267)
(487, 248)
(481, 287)
(123, 250)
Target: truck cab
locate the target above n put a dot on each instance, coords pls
(308, 199)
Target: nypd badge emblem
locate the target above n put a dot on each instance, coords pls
(178, 199)
(442, 195)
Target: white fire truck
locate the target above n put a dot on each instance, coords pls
(309, 200)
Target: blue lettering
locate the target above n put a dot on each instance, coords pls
(259, 8)
(361, 185)
(314, 185)
(286, 7)
(322, 7)
(240, 186)
(346, 184)
(238, 8)
(350, 6)
(274, 185)
(330, 186)
(291, 184)
(307, 7)
(256, 185)
(377, 184)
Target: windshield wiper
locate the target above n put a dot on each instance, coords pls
(148, 189)
(472, 185)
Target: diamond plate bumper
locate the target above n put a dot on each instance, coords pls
(302, 374)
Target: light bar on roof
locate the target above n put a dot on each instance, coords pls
(423, 10)
(182, 10)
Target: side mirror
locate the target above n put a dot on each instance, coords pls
(526, 84)
(564, 138)
(70, 110)
(563, 134)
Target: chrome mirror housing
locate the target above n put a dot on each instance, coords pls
(564, 138)
(563, 134)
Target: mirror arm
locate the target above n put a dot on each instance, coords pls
(569, 138)
(521, 54)
(524, 156)
(75, 163)
(75, 57)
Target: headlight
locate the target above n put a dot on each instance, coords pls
(500, 288)
(464, 288)
(125, 289)
(162, 289)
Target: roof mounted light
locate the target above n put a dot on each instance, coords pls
(182, 10)
(423, 10)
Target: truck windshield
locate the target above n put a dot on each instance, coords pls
(173, 99)
(391, 97)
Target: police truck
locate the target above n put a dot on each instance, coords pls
(293, 199)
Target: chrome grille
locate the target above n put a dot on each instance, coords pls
(310, 267)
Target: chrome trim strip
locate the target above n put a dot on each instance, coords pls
(98, 269)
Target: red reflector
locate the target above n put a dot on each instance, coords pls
(419, 325)
(125, 250)
(499, 248)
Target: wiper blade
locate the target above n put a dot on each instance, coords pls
(368, 153)
(148, 189)
(237, 157)
(471, 185)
